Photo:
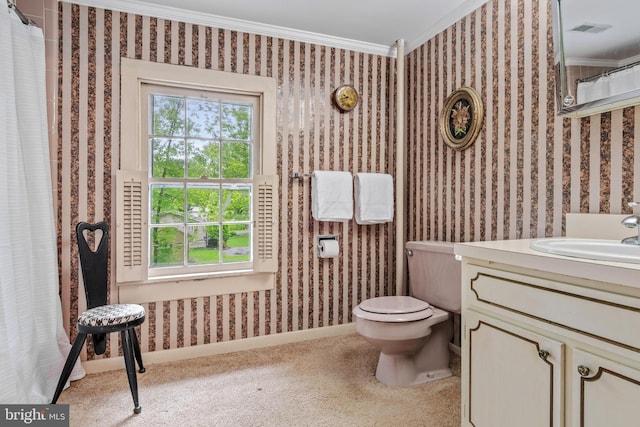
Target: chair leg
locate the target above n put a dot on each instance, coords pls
(129, 363)
(136, 349)
(68, 365)
(99, 343)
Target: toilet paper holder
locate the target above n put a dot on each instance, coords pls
(323, 238)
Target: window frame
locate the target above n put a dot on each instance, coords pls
(133, 284)
(147, 90)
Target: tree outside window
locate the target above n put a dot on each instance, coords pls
(200, 180)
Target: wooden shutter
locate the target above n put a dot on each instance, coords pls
(131, 224)
(266, 224)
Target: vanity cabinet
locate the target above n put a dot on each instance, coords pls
(547, 349)
(607, 392)
(515, 375)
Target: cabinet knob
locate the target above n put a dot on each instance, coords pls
(583, 370)
(543, 354)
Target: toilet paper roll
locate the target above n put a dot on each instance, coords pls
(329, 248)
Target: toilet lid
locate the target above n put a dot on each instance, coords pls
(395, 309)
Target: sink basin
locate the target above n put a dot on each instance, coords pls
(597, 249)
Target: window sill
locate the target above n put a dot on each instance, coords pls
(169, 289)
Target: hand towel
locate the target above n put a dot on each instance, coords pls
(374, 198)
(332, 196)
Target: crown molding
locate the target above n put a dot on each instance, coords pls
(199, 18)
(602, 63)
(589, 62)
(443, 23)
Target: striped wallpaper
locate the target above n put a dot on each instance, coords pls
(528, 167)
(526, 170)
(312, 135)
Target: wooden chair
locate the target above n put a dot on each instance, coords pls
(101, 318)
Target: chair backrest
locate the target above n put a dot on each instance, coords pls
(94, 263)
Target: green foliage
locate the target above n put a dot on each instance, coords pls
(168, 116)
(197, 138)
(238, 241)
(167, 247)
(236, 122)
(203, 159)
(201, 256)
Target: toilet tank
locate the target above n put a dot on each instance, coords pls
(434, 274)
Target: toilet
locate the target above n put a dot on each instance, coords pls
(413, 332)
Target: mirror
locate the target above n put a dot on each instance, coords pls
(597, 55)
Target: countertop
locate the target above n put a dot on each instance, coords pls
(518, 253)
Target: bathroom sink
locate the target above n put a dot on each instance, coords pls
(597, 249)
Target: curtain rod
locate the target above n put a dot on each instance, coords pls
(609, 72)
(24, 19)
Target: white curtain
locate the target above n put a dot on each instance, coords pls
(624, 80)
(615, 83)
(33, 342)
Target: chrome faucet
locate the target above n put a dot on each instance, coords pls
(632, 221)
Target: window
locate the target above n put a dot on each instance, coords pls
(195, 193)
(201, 145)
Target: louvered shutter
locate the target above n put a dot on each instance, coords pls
(266, 233)
(131, 224)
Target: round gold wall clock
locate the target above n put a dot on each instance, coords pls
(345, 97)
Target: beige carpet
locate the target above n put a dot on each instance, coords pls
(324, 382)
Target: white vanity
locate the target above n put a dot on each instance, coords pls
(548, 340)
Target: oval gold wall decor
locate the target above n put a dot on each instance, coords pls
(461, 118)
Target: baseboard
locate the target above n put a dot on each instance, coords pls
(162, 356)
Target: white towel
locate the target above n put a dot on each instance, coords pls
(374, 198)
(332, 196)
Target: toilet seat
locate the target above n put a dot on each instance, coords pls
(394, 309)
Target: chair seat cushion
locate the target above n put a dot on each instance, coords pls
(111, 315)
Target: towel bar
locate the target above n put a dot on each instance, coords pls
(296, 175)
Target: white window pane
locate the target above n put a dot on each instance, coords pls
(236, 243)
(204, 245)
(167, 246)
(236, 160)
(167, 116)
(236, 122)
(203, 202)
(167, 203)
(167, 158)
(236, 202)
(203, 159)
(203, 118)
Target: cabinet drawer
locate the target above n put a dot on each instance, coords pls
(604, 316)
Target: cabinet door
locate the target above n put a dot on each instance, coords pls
(512, 377)
(605, 393)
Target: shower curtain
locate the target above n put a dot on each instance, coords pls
(33, 342)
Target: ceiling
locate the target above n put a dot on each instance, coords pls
(614, 39)
(378, 23)
(373, 26)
